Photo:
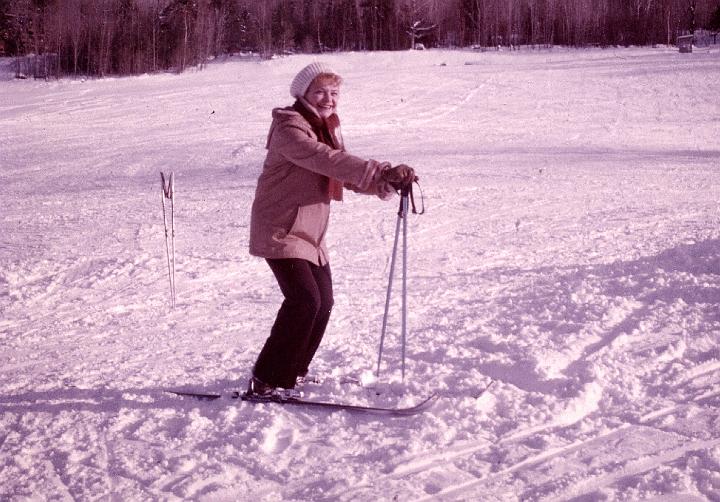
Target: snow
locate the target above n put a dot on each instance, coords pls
(570, 253)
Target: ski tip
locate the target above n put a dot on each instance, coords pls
(208, 396)
(426, 404)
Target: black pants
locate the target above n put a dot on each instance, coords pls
(300, 323)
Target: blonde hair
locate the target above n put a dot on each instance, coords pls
(325, 78)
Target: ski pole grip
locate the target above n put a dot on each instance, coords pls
(403, 188)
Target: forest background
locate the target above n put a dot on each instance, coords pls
(124, 37)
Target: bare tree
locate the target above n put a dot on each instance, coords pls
(76, 30)
(101, 37)
(417, 13)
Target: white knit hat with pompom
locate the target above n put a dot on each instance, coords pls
(302, 80)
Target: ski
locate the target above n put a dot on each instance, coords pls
(203, 396)
(330, 405)
(423, 405)
(168, 192)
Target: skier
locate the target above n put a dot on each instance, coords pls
(306, 167)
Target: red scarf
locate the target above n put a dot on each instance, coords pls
(326, 132)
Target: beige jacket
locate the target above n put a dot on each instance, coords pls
(292, 203)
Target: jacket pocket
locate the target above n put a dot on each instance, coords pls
(311, 222)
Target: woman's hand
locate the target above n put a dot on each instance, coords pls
(399, 176)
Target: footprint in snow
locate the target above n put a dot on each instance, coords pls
(278, 438)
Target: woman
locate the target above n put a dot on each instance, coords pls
(306, 167)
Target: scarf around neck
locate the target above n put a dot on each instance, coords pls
(326, 131)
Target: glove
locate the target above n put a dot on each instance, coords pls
(399, 176)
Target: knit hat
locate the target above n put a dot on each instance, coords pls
(302, 80)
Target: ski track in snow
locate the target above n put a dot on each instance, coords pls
(570, 254)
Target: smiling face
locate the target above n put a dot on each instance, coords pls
(323, 94)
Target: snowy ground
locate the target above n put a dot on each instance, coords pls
(570, 252)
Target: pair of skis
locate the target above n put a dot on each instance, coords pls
(421, 406)
(168, 193)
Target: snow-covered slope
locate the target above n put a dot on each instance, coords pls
(570, 253)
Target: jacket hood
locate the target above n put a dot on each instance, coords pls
(283, 116)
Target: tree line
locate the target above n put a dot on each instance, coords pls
(108, 37)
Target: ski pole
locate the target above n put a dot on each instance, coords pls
(402, 216)
(405, 203)
(168, 192)
(388, 294)
(172, 233)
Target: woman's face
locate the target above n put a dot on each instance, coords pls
(323, 94)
